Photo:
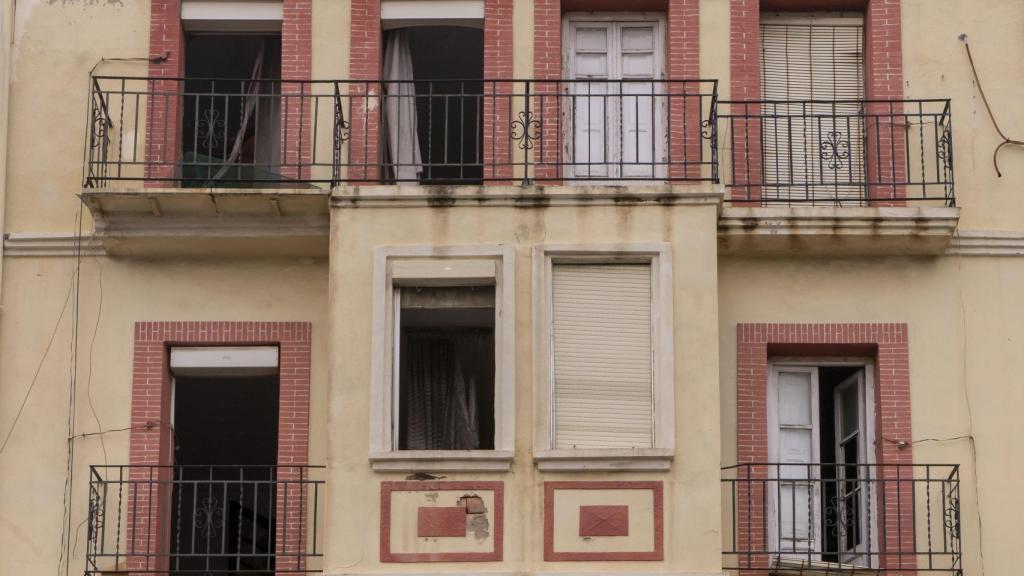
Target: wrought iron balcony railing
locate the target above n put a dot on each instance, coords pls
(214, 520)
(837, 152)
(847, 519)
(209, 132)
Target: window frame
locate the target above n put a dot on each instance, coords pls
(441, 266)
(613, 21)
(660, 456)
(868, 407)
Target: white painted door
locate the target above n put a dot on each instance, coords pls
(616, 114)
(852, 494)
(794, 498)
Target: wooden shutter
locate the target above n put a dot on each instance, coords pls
(813, 150)
(591, 59)
(602, 356)
(616, 129)
(794, 501)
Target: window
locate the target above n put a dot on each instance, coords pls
(812, 79)
(445, 367)
(820, 434)
(442, 392)
(618, 116)
(602, 355)
(605, 369)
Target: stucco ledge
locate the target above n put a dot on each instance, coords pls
(527, 196)
(203, 222)
(915, 230)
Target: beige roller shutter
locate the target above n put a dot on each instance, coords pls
(813, 150)
(602, 356)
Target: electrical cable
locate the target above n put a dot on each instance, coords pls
(88, 378)
(1007, 141)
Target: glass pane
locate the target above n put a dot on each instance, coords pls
(592, 65)
(634, 65)
(795, 450)
(851, 410)
(796, 516)
(795, 398)
(591, 38)
(638, 38)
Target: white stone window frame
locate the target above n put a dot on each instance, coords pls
(442, 266)
(657, 458)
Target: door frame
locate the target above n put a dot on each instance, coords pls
(659, 135)
(870, 419)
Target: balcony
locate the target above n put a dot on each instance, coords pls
(204, 520)
(208, 166)
(287, 134)
(836, 519)
(838, 152)
(837, 177)
(189, 165)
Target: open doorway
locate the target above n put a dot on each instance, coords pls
(821, 435)
(433, 114)
(231, 109)
(223, 492)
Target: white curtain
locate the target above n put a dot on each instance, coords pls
(252, 94)
(400, 109)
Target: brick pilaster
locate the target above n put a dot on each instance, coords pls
(297, 104)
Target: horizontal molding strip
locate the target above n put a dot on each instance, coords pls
(21, 244)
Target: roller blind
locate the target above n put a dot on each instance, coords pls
(602, 348)
(815, 149)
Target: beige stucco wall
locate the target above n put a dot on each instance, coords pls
(691, 486)
(964, 313)
(114, 295)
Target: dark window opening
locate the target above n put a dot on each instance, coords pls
(447, 67)
(840, 496)
(446, 368)
(231, 120)
(223, 498)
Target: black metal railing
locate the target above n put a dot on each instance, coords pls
(209, 132)
(837, 152)
(215, 520)
(206, 132)
(842, 518)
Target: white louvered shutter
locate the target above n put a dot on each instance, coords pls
(813, 150)
(602, 356)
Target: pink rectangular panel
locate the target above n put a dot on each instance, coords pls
(604, 521)
(441, 521)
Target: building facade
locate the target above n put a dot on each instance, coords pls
(510, 286)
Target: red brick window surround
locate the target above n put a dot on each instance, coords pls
(887, 343)
(151, 441)
(167, 60)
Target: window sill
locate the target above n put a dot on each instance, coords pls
(442, 461)
(604, 460)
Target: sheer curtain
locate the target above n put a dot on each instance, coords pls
(400, 109)
(248, 107)
(444, 376)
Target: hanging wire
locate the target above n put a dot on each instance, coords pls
(1007, 141)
